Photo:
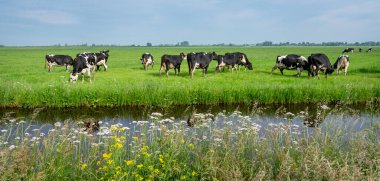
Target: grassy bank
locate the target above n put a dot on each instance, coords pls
(25, 82)
(161, 149)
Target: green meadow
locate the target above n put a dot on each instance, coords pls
(26, 83)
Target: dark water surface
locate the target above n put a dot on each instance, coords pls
(353, 117)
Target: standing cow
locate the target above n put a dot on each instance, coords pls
(348, 50)
(290, 62)
(58, 60)
(369, 50)
(200, 60)
(146, 60)
(80, 66)
(172, 61)
(317, 62)
(343, 62)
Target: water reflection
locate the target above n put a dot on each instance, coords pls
(311, 115)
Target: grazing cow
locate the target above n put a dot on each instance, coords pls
(146, 60)
(290, 62)
(58, 60)
(243, 61)
(172, 61)
(97, 59)
(360, 50)
(343, 62)
(234, 60)
(200, 60)
(319, 62)
(369, 50)
(80, 65)
(348, 50)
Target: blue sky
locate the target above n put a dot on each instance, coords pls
(126, 22)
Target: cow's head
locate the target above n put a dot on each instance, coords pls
(249, 65)
(214, 56)
(73, 77)
(183, 56)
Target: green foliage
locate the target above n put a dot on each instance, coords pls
(25, 82)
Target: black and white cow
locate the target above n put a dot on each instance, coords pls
(243, 61)
(360, 50)
(369, 50)
(80, 66)
(343, 62)
(147, 59)
(96, 59)
(58, 60)
(348, 50)
(233, 60)
(290, 62)
(200, 60)
(172, 61)
(317, 62)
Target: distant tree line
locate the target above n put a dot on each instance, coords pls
(265, 43)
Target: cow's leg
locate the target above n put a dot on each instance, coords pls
(105, 66)
(162, 65)
(145, 66)
(179, 69)
(298, 71)
(346, 68)
(192, 71)
(204, 72)
(167, 69)
(49, 67)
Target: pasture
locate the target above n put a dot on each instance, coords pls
(26, 83)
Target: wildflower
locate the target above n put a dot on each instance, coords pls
(57, 124)
(140, 166)
(183, 177)
(84, 166)
(193, 173)
(118, 145)
(156, 171)
(107, 156)
(212, 151)
(182, 141)
(129, 162)
(135, 138)
(110, 162)
(17, 138)
(324, 107)
(117, 168)
(11, 147)
(113, 128)
(76, 141)
(4, 130)
(98, 163)
(161, 158)
(191, 145)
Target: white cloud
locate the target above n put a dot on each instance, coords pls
(49, 17)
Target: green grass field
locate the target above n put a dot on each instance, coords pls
(26, 83)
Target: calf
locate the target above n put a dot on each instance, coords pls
(290, 62)
(171, 61)
(146, 60)
(80, 65)
(319, 62)
(200, 60)
(343, 62)
(348, 50)
(58, 60)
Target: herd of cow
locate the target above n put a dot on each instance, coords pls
(86, 62)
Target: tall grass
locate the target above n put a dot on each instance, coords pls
(164, 149)
(25, 83)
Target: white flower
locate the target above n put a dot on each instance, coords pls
(17, 138)
(12, 120)
(57, 124)
(42, 134)
(12, 147)
(157, 114)
(324, 107)
(4, 130)
(76, 141)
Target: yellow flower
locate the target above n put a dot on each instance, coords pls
(191, 145)
(212, 151)
(113, 128)
(194, 173)
(107, 156)
(150, 168)
(84, 166)
(98, 163)
(135, 138)
(183, 177)
(129, 162)
(140, 165)
(182, 141)
(118, 145)
(161, 158)
(156, 171)
(117, 168)
(110, 162)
